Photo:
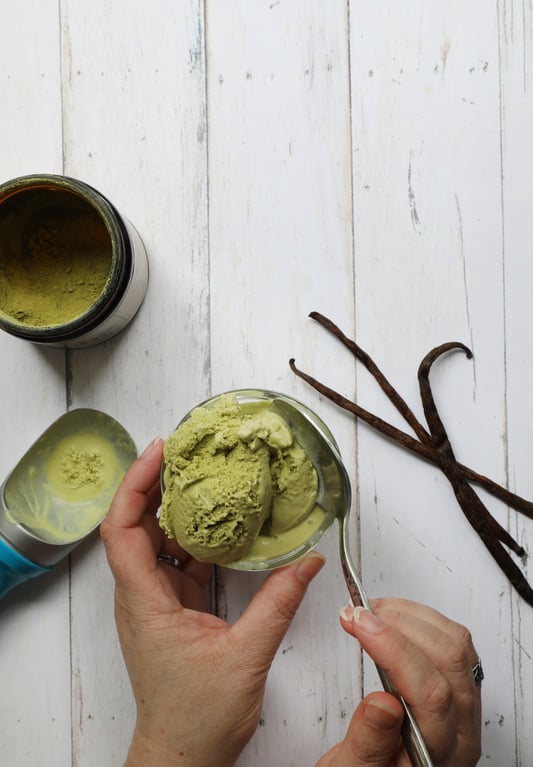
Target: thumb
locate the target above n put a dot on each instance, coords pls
(373, 737)
(265, 621)
(129, 549)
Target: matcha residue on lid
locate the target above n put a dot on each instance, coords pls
(63, 485)
(82, 467)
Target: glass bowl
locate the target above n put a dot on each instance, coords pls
(291, 544)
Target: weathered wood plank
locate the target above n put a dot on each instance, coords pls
(427, 136)
(281, 246)
(516, 76)
(34, 618)
(134, 115)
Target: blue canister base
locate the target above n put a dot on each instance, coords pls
(15, 569)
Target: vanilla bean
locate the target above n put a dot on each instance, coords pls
(400, 404)
(516, 502)
(474, 510)
(427, 452)
(385, 428)
(435, 447)
(410, 443)
(498, 491)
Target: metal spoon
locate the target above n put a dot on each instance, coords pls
(334, 496)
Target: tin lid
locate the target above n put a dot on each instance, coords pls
(27, 545)
(61, 489)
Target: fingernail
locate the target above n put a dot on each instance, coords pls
(346, 613)
(366, 620)
(309, 566)
(380, 716)
(153, 444)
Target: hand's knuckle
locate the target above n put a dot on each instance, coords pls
(106, 531)
(367, 752)
(460, 651)
(285, 607)
(464, 638)
(439, 698)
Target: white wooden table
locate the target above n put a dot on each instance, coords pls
(370, 160)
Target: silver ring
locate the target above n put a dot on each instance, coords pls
(477, 671)
(168, 559)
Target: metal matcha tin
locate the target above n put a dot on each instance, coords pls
(73, 271)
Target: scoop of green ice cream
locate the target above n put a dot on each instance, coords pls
(294, 487)
(217, 508)
(218, 490)
(232, 471)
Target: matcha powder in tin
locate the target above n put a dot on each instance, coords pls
(56, 275)
(73, 271)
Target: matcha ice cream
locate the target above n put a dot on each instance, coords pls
(235, 481)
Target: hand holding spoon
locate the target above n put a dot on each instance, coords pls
(334, 496)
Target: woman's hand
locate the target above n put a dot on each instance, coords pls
(430, 660)
(198, 682)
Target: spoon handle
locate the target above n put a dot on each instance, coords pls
(411, 735)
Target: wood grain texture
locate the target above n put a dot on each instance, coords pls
(369, 161)
(34, 620)
(432, 97)
(277, 84)
(515, 27)
(134, 109)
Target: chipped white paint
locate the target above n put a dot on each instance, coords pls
(372, 161)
